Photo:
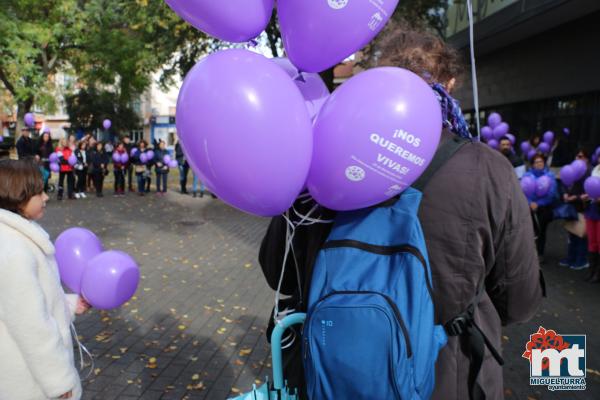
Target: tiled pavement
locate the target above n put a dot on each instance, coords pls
(195, 328)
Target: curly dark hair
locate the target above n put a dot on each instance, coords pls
(418, 50)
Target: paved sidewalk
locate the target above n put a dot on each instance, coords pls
(195, 329)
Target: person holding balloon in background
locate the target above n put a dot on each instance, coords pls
(140, 158)
(120, 162)
(592, 224)
(35, 313)
(161, 160)
(574, 194)
(98, 167)
(44, 151)
(81, 168)
(542, 199)
(66, 160)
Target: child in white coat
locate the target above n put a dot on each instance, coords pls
(36, 347)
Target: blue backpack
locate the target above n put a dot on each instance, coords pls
(369, 331)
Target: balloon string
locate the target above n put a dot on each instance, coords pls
(82, 349)
(474, 68)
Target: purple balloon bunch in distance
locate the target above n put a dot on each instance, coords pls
(536, 186)
(106, 279)
(495, 130)
(571, 173)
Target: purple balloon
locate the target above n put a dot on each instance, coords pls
(46, 130)
(29, 120)
(543, 185)
(493, 143)
(149, 155)
(592, 187)
(494, 120)
(143, 158)
(1, 138)
(244, 128)
(531, 153)
(110, 279)
(116, 157)
(374, 137)
(54, 167)
(53, 158)
(74, 248)
(500, 130)
(525, 147)
(580, 168)
(311, 86)
(528, 185)
(72, 160)
(229, 20)
(167, 159)
(133, 151)
(319, 34)
(173, 164)
(106, 124)
(568, 175)
(124, 158)
(594, 159)
(512, 138)
(486, 133)
(548, 137)
(544, 148)
(566, 131)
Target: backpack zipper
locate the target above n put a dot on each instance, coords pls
(383, 250)
(393, 305)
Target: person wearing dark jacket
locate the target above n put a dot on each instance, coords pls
(119, 169)
(475, 221)
(505, 146)
(129, 169)
(139, 161)
(98, 167)
(162, 169)
(577, 247)
(44, 150)
(81, 168)
(25, 145)
(184, 167)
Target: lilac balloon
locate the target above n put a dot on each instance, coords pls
(500, 130)
(229, 20)
(124, 158)
(512, 138)
(486, 133)
(319, 34)
(525, 147)
(566, 131)
(110, 279)
(374, 137)
(244, 127)
(72, 160)
(548, 137)
(1, 138)
(166, 159)
(568, 175)
(311, 86)
(580, 168)
(149, 155)
(592, 187)
(531, 153)
(544, 148)
(106, 124)
(493, 143)
(528, 185)
(143, 158)
(494, 120)
(133, 151)
(29, 120)
(173, 164)
(74, 248)
(543, 185)
(116, 157)
(53, 158)
(54, 167)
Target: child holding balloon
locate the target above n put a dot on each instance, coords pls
(64, 153)
(140, 158)
(35, 314)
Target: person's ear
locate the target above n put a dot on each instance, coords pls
(450, 85)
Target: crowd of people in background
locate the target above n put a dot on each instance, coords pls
(567, 202)
(84, 164)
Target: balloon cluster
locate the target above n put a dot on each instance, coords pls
(106, 279)
(536, 187)
(170, 162)
(55, 160)
(544, 147)
(121, 158)
(571, 173)
(495, 130)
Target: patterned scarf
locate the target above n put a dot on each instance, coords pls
(451, 112)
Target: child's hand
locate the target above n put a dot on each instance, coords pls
(67, 395)
(82, 306)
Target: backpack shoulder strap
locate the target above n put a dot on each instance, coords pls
(443, 154)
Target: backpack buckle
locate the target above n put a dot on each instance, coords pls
(457, 326)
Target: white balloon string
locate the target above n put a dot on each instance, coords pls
(473, 68)
(82, 349)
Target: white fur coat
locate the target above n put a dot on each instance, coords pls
(36, 349)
